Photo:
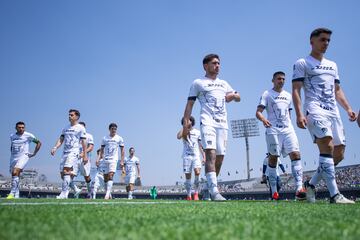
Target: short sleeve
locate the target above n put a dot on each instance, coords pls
(337, 78)
(263, 100)
(82, 133)
(229, 89)
(103, 143)
(265, 161)
(121, 142)
(194, 90)
(299, 71)
(90, 139)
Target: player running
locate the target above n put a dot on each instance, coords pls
(213, 93)
(20, 155)
(84, 168)
(73, 136)
(280, 134)
(109, 151)
(191, 158)
(132, 165)
(320, 79)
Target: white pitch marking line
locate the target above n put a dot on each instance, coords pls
(81, 203)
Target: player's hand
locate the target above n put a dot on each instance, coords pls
(352, 115)
(97, 163)
(186, 128)
(301, 122)
(266, 123)
(30, 155)
(85, 159)
(53, 151)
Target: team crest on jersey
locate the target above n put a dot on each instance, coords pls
(324, 130)
(209, 142)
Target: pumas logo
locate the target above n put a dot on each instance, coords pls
(324, 130)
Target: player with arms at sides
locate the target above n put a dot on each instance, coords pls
(84, 168)
(132, 165)
(99, 177)
(20, 155)
(73, 136)
(109, 151)
(191, 158)
(213, 93)
(320, 80)
(280, 134)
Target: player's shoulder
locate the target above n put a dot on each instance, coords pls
(119, 138)
(196, 131)
(286, 93)
(28, 134)
(301, 61)
(89, 135)
(328, 61)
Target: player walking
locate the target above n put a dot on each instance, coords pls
(191, 158)
(20, 155)
(73, 136)
(109, 151)
(280, 134)
(320, 79)
(212, 93)
(132, 165)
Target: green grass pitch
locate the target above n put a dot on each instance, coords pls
(163, 219)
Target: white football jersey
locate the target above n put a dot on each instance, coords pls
(111, 147)
(277, 105)
(319, 78)
(130, 164)
(72, 136)
(191, 146)
(20, 144)
(89, 141)
(211, 94)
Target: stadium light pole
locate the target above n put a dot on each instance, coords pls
(245, 128)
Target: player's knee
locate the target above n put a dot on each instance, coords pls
(273, 160)
(197, 172)
(295, 156)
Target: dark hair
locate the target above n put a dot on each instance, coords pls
(278, 73)
(112, 125)
(98, 151)
(131, 148)
(19, 123)
(77, 113)
(319, 31)
(82, 123)
(210, 57)
(192, 120)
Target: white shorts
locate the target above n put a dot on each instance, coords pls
(325, 126)
(83, 168)
(109, 166)
(283, 143)
(19, 162)
(130, 178)
(68, 160)
(190, 163)
(214, 138)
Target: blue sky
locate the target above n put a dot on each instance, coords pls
(132, 62)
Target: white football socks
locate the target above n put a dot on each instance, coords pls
(297, 172)
(188, 186)
(272, 175)
(328, 173)
(196, 184)
(212, 183)
(109, 187)
(14, 185)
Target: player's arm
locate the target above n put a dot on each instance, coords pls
(138, 169)
(37, 147)
(187, 113)
(89, 148)
(84, 147)
(122, 153)
(296, 96)
(57, 145)
(232, 96)
(202, 152)
(282, 167)
(358, 119)
(100, 156)
(341, 99)
(261, 117)
(179, 134)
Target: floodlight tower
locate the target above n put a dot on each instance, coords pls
(245, 128)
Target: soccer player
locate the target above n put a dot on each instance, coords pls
(109, 151)
(99, 177)
(320, 79)
(266, 174)
(212, 93)
(20, 155)
(73, 136)
(132, 165)
(280, 134)
(84, 168)
(191, 158)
